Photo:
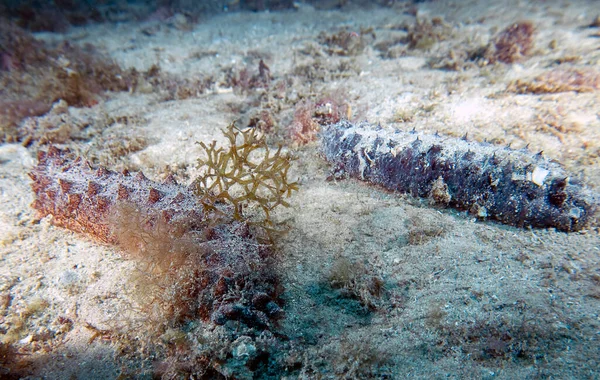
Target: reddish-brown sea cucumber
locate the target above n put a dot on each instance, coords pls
(80, 197)
(217, 268)
(514, 187)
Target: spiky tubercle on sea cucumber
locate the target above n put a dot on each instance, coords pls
(222, 271)
(514, 187)
(80, 197)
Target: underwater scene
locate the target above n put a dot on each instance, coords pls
(277, 189)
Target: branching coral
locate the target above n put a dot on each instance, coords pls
(242, 175)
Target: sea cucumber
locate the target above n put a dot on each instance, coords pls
(514, 187)
(216, 269)
(80, 198)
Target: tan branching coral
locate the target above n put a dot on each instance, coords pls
(247, 173)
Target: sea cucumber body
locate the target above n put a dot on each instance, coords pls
(80, 197)
(514, 187)
(221, 273)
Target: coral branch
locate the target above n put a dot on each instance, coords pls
(246, 173)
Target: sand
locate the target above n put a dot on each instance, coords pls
(460, 298)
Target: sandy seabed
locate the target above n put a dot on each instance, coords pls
(460, 298)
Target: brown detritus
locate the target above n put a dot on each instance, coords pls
(559, 80)
(331, 109)
(264, 74)
(18, 48)
(304, 128)
(355, 280)
(264, 121)
(12, 364)
(81, 74)
(359, 356)
(169, 86)
(495, 341)
(197, 273)
(111, 138)
(439, 192)
(425, 33)
(12, 112)
(514, 43)
(552, 121)
(435, 315)
(247, 80)
(467, 55)
(421, 232)
(404, 115)
(108, 138)
(567, 59)
(346, 42)
(319, 70)
(56, 127)
(103, 334)
(309, 116)
(392, 48)
(34, 75)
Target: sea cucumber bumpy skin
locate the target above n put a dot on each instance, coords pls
(514, 187)
(211, 266)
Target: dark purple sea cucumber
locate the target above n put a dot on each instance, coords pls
(514, 187)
